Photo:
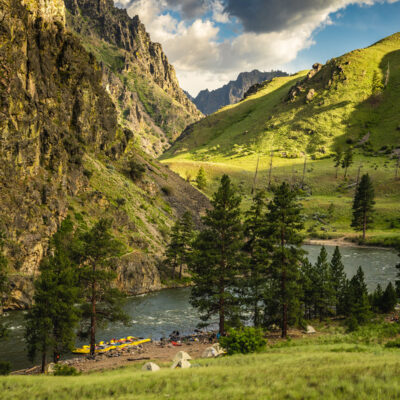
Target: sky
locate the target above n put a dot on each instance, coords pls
(210, 42)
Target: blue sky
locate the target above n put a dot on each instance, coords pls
(211, 41)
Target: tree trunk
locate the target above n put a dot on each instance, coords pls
(284, 306)
(364, 226)
(93, 320)
(180, 271)
(43, 361)
(222, 310)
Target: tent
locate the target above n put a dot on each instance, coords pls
(209, 352)
(150, 367)
(181, 355)
(181, 364)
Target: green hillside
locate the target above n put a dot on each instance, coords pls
(336, 366)
(352, 101)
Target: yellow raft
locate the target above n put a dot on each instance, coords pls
(112, 345)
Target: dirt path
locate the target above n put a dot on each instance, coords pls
(342, 242)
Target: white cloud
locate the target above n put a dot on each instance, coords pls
(202, 61)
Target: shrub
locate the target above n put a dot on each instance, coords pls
(120, 201)
(135, 170)
(167, 190)
(5, 367)
(65, 370)
(394, 344)
(244, 340)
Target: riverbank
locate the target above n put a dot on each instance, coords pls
(344, 242)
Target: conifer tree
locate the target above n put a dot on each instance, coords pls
(338, 280)
(180, 246)
(257, 266)
(375, 299)
(308, 283)
(358, 306)
(337, 158)
(389, 299)
(51, 322)
(347, 160)
(363, 205)
(323, 285)
(4, 284)
(216, 258)
(201, 179)
(284, 223)
(103, 303)
(397, 282)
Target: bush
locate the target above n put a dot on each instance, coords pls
(394, 344)
(243, 341)
(65, 370)
(135, 170)
(5, 367)
(167, 190)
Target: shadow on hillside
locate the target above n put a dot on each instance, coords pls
(378, 115)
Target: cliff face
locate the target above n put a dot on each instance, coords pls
(136, 72)
(63, 153)
(209, 102)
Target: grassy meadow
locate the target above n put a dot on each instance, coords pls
(355, 103)
(331, 366)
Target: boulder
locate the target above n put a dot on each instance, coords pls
(50, 369)
(310, 95)
(150, 367)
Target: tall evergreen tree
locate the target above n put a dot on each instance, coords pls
(103, 303)
(363, 205)
(285, 222)
(337, 159)
(358, 306)
(389, 299)
(338, 280)
(201, 179)
(180, 246)
(216, 259)
(4, 284)
(309, 285)
(51, 322)
(397, 282)
(324, 285)
(375, 299)
(257, 247)
(347, 160)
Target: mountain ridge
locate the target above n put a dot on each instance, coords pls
(210, 101)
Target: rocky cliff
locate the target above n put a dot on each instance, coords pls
(209, 102)
(64, 152)
(136, 72)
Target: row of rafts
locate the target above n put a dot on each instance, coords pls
(104, 347)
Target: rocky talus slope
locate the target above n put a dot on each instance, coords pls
(136, 73)
(64, 152)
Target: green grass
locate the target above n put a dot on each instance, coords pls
(344, 110)
(335, 366)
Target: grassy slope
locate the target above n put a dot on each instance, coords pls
(330, 367)
(343, 110)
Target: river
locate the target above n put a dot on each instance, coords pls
(157, 314)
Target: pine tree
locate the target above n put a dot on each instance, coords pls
(358, 306)
(363, 205)
(375, 299)
(308, 284)
(103, 302)
(337, 158)
(397, 282)
(347, 160)
(285, 222)
(201, 179)
(180, 246)
(51, 322)
(389, 299)
(338, 280)
(257, 266)
(4, 284)
(324, 285)
(216, 259)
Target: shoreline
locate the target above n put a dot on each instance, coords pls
(341, 242)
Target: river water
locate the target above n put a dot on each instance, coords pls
(156, 315)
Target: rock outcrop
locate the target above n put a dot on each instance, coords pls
(209, 102)
(64, 152)
(136, 72)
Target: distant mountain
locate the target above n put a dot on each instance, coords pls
(209, 102)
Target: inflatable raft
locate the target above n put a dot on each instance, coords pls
(103, 347)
